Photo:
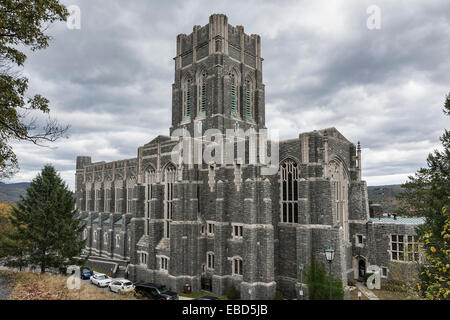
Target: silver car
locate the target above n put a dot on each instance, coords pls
(121, 286)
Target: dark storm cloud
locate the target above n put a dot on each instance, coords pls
(112, 79)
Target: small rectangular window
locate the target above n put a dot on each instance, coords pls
(211, 229)
(164, 264)
(360, 239)
(237, 231)
(210, 260)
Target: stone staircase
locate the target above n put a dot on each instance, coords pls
(115, 267)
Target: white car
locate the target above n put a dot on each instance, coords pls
(121, 286)
(100, 280)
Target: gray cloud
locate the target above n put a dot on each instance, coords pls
(112, 79)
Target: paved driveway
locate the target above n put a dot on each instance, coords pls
(4, 290)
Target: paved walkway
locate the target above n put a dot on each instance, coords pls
(4, 288)
(368, 293)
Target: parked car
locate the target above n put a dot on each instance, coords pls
(207, 298)
(86, 273)
(100, 280)
(155, 292)
(121, 286)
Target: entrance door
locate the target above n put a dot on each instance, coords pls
(362, 268)
(206, 283)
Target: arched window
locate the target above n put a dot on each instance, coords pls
(150, 179)
(340, 182)
(170, 174)
(117, 241)
(237, 266)
(202, 93)
(187, 99)
(289, 191)
(234, 99)
(210, 260)
(248, 100)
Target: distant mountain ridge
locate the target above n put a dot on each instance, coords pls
(11, 192)
(385, 196)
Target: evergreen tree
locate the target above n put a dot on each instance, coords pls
(427, 194)
(49, 231)
(318, 282)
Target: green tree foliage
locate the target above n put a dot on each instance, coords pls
(232, 293)
(278, 296)
(426, 194)
(434, 283)
(48, 229)
(318, 282)
(23, 24)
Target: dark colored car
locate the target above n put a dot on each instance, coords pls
(207, 298)
(86, 273)
(155, 292)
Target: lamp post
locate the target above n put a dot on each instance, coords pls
(301, 281)
(329, 254)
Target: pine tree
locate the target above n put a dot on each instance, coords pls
(318, 282)
(49, 231)
(427, 194)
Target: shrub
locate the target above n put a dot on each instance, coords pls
(232, 293)
(351, 282)
(318, 283)
(278, 296)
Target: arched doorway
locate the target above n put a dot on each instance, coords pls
(360, 265)
(361, 268)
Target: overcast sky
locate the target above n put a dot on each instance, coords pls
(111, 80)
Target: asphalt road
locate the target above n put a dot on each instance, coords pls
(4, 290)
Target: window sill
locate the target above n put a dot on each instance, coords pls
(200, 117)
(186, 121)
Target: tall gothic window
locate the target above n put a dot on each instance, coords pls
(248, 100)
(150, 179)
(202, 93)
(107, 200)
(340, 181)
(118, 200)
(289, 191)
(170, 174)
(187, 99)
(129, 199)
(234, 99)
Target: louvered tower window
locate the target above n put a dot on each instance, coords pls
(188, 105)
(187, 99)
(203, 94)
(233, 95)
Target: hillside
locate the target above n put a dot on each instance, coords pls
(385, 195)
(11, 192)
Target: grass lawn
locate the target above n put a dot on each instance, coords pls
(35, 286)
(393, 295)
